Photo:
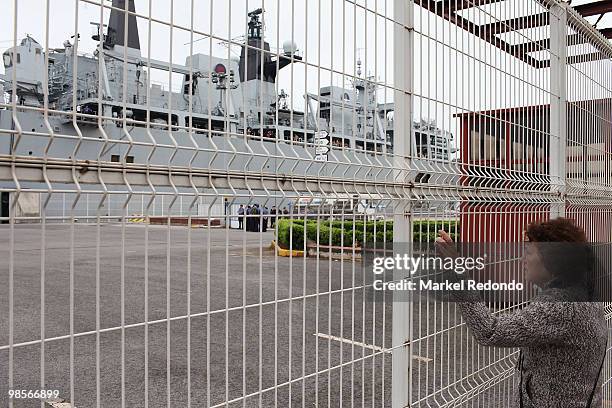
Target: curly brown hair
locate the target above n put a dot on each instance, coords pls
(565, 253)
(557, 230)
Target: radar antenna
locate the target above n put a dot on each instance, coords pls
(255, 25)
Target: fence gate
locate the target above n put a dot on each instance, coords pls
(192, 191)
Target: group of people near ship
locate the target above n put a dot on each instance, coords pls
(256, 218)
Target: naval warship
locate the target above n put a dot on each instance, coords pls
(229, 114)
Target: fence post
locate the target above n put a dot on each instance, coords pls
(403, 43)
(558, 106)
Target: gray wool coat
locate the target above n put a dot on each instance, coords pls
(562, 346)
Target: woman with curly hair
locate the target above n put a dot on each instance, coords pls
(561, 333)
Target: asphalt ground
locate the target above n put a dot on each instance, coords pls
(246, 327)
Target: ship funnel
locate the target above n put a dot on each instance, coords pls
(116, 26)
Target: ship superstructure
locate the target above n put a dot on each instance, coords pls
(222, 105)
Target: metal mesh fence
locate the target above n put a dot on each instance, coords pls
(190, 189)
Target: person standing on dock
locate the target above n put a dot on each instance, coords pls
(256, 220)
(264, 220)
(241, 217)
(273, 216)
(249, 219)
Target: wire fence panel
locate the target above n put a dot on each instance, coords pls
(587, 111)
(182, 161)
(527, 98)
(192, 192)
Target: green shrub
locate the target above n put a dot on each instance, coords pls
(349, 233)
(290, 234)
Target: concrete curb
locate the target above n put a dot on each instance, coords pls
(286, 252)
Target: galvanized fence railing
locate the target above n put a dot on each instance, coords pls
(206, 241)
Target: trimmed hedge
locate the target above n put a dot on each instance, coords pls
(341, 233)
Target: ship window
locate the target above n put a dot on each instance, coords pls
(7, 60)
(18, 58)
(190, 85)
(115, 158)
